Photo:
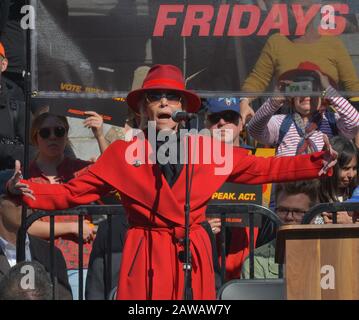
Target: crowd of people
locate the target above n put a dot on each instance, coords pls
(313, 128)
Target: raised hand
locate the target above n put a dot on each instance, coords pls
(324, 80)
(16, 187)
(279, 89)
(95, 122)
(246, 111)
(330, 156)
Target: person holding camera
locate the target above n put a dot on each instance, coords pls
(310, 116)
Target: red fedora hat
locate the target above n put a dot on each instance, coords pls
(164, 77)
(306, 68)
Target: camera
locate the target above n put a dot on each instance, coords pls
(299, 87)
(302, 85)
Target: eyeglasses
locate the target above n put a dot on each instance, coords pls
(172, 97)
(297, 213)
(45, 132)
(227, 116)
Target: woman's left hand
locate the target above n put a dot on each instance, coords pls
(324, 80)
(330, 156)
(95, 122)
(15, 187)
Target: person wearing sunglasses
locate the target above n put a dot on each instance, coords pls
(49, 134)
(223, 113)
(153, 193)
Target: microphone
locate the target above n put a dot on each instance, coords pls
(178, 116)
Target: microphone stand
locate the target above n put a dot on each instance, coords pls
(187, 266)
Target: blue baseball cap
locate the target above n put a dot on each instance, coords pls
(216, 105)
(355, 196)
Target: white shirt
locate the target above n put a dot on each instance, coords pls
(10, 250)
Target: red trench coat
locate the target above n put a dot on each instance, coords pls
(150, 268)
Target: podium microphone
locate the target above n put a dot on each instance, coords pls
(178, 116)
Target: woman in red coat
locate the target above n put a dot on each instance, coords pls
(154, 193)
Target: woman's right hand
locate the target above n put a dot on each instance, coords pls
(15, 187)
(246, 111)
(215, 224)
(279, 97)
(95, 122)
(89, 231)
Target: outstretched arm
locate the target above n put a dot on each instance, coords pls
(81, 190)
(258, 170)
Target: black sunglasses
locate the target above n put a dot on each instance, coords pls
(228, 116)
(157, 96)
(45, 133)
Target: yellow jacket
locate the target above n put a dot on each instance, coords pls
(280, 54)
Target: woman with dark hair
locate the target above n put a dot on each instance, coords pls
(340, 186)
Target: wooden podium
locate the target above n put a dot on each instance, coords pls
(321, 261)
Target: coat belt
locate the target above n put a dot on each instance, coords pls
(178, 232)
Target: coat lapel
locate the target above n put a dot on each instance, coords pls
(139, 180)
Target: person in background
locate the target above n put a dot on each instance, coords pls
(36, 250)
(293, 201)
(49, 133)
(13, 37)
(133, 120)
(12, 118)
(285, 52)
(340, 186)
(97, 287)
(301, 131)
(224, 114)
(11, 287)
(354, 198)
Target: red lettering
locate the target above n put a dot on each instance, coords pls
(221, 20)
(276, 19)
(163, 20)
(201, 17)
(203, 22)
(340, 22)
(303, 19)
(234, 30)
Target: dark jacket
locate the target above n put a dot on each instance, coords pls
(40, 252)
(12, 124)
(96, 284)
(12, 35)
